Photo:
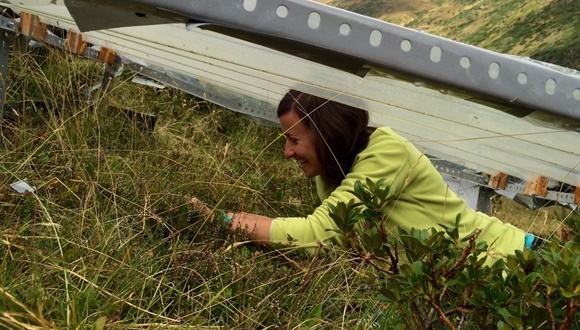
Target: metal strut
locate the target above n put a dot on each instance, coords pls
(7, 32)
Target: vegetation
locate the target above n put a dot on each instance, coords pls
(441, 279)
(548, 31)
(107, 237)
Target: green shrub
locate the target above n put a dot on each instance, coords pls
(443, 281)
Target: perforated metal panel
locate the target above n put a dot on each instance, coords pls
(506, 80)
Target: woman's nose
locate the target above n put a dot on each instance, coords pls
(288, 151)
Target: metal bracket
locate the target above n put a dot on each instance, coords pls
(113, 67)
(448, 168)
(514, 189)
(111, 70)
(7, 31)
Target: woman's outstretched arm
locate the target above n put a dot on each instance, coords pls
(256, 226)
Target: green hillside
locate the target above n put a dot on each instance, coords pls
(544, 30)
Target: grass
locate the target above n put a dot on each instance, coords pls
(108, 235)
(108, 231)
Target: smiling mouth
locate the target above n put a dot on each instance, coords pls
(302, 163)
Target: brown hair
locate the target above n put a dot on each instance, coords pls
(341, 131)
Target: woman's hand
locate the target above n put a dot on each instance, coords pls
(212, 214)
(200, 207)
(256, 226)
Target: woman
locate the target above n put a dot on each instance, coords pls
(333, 144)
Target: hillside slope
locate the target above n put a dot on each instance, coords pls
(544, 30)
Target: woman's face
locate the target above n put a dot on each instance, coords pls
(300, 144)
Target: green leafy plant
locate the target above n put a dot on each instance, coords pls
(444, 281)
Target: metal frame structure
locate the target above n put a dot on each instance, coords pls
(507, 80)
(332, 50)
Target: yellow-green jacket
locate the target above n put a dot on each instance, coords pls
(424, 199)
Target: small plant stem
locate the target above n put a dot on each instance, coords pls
(461, 321)
(418, 315)
(464, 255)
(430, 319)
(442, 314)
(548, 309)
(369, 260)
(308, 274)
(484, 318)
(570, 312)
(394, 259)
(414, 318)
(384, 238)
(289, 260)
(433, 276)
(442, 295)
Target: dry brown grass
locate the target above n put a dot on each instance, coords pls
(545, 221)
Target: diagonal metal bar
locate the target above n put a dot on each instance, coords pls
(507, 81)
